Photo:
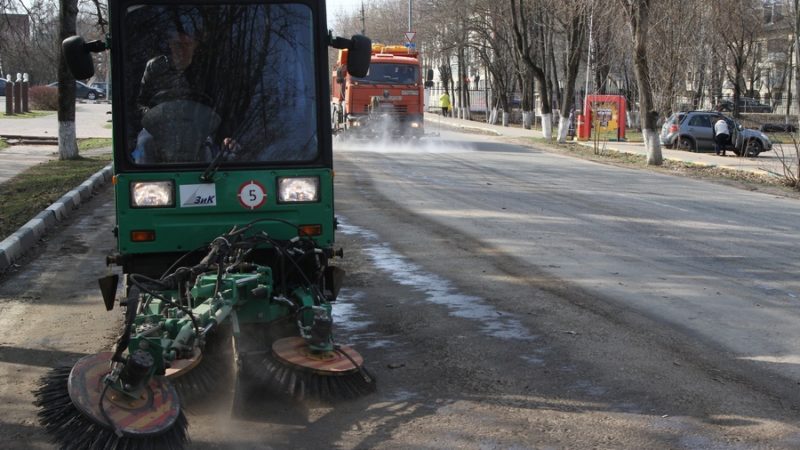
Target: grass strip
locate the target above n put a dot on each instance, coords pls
(28, 115)
(93, 143)
(742, 179)
(27, 194)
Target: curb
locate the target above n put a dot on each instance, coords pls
(22, 240)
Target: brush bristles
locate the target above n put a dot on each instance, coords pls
(302, 385)
(204, 379)
(214, 370)
(69, 429)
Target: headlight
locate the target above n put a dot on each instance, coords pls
(152, 194)
(298, 189)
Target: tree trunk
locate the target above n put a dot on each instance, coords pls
(640, 24)
(67, 142)
(797, 58)
(576, 38)
(524, 48)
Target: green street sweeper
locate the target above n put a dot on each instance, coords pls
(225, 219)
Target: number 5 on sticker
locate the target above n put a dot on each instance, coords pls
(252, 194)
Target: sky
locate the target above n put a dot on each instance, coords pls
(337, 6)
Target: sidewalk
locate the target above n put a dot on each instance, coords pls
(91, 120)
(766, 162)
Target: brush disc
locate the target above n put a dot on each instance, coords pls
(180, 367)
(295, 370)
(153, 413)
(294, 351)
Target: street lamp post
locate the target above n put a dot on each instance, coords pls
(409, 16)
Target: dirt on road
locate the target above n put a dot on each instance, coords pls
(471, 348)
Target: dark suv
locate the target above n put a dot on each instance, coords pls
(695, 132)
(746, 104)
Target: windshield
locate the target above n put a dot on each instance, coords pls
(390, 74)
(203, 79)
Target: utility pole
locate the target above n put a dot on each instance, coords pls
(409, 16)
(363, 21)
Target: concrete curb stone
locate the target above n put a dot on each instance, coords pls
(73, 198)
(59, 209)
(22, 240)
(48, 216)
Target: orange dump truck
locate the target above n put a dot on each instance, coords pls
(389, 100)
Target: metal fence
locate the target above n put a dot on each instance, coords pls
(775, 109)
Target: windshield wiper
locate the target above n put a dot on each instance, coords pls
(211, 170)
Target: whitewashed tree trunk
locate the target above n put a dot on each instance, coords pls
(493, 116)
(506, 117)
(547, 126)
(653, 146)
(67, 141)
(527, 120)
(563, 127)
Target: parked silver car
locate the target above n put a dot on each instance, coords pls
(669, 130)
(695, 132)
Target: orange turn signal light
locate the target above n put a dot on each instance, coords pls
(143, 236)
(310, 230)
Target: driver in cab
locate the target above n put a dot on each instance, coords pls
(170, 76)
(177, 117)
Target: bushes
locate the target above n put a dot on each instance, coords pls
(43, 98)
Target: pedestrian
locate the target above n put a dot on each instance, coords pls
(444, 102)
(722, 136)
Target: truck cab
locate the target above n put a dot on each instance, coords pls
(389, 100)
(217, 122)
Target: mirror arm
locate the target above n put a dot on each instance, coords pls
(338, 42)
(95, 46)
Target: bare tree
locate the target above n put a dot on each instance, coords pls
(67, 142)
(639, 16)
(527, 27)
(680, 42)
(574, 25)
(493, 42)
(738, 25)
(797, 57)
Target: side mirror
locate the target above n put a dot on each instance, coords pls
(78, 54)
(359, 54)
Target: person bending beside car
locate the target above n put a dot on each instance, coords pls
(722, 136)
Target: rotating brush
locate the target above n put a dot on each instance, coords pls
(293, 368)
(211, 369)
(80, 425)
(107, 401)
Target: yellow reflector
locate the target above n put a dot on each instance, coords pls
(310, 230)
(143, 235)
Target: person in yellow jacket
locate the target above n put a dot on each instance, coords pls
(444, 102)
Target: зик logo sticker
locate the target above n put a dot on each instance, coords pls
(196, 195)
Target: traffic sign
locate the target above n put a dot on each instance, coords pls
(410, 36)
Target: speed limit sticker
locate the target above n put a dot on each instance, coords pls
(252, 195)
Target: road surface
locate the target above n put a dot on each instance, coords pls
(504, 297)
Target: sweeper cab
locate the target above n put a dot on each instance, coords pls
(225, 222)
(388, 101)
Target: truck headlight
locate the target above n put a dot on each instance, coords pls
(298, 189)
(152, 194)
